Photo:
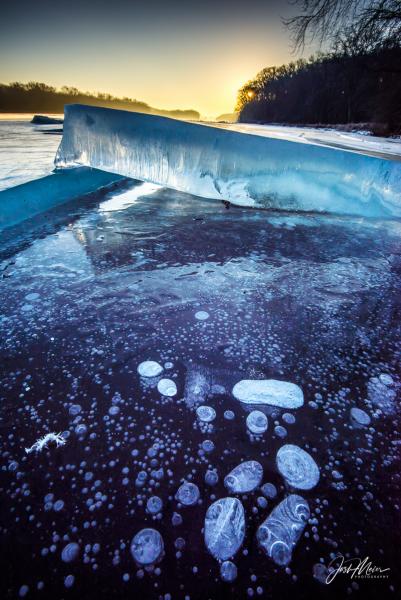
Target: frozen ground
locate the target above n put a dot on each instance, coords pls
(215, 297)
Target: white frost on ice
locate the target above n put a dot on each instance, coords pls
(42, 443)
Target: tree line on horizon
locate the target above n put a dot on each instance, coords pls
(36, 97)
(357, 81)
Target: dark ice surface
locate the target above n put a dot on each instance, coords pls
(93, 289)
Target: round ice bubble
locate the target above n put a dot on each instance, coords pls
(149, 368)
(147, 547)
(167, 387)
(70, 552)
(188, 494)
(201, 315)
(228, 571)
(256, 422)
(207, 414)
(154, 505)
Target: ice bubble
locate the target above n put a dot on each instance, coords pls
(280, 532)
(188, 494)
(228, 571)
(176, 519)
(70, 552)
(280, 431)
(360, 416)
(31, 297)
(269, 391)
(167, 387)
(386, 379)
(74, 409)
(69, 581)
(320, 572)
(147, 547)
(288, 418)
(58, 505)
(208, 445)
(269, 490)
(224, 528)
(244, 477)
(149, 368)
(154, 505)
(256, 422)
(211, 477)
(229, 415)
(201, 315)
(297, 467)
(207, 414)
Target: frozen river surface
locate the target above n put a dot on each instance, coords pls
(214, 297)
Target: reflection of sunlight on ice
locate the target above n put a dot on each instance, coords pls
(127, 199)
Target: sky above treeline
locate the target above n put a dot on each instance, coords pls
(169, 54)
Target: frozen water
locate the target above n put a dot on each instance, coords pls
(270, 392)
(147, 547)
(312, 300)
(149, 368)
(244, 477)
(297, 467)
(224, 528)
(256, 422)
(250, 170)
(280, 532)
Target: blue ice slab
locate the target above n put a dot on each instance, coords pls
(40, 195)
(246, 169)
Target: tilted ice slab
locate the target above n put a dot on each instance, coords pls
(249, 170)
(272, 392)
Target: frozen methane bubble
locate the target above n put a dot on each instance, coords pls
(228, 571)
(188, 494)
(224, 528)
(297, 467)
(201, 315)
(269, 490)
(256, 422)
(360, 416)
(147, 547)
(279, 533)
(207, 414)
(167, 387)
(154, 505)
(244, 477)
(149, 368)
(70, 552)
(269, 391)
